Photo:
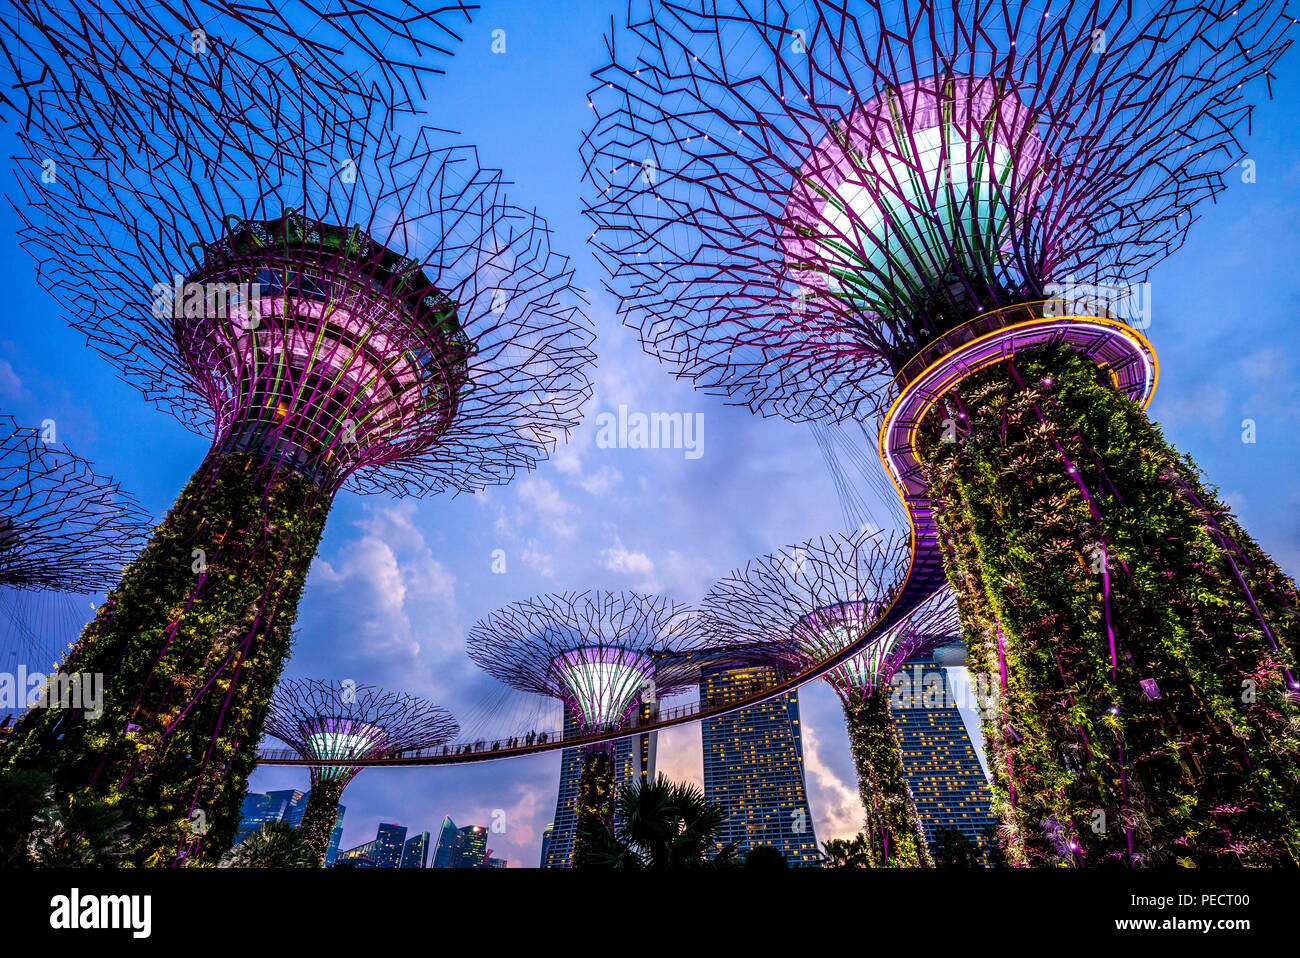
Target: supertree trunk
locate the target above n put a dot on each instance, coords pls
(893, 823)
(1139, 647)
(190, 646)
(321, 813)
(595, 798)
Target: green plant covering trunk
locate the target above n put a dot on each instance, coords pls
(321, 813)
(897, 839)
(190, 646)
(1071, 527)
(595, 798)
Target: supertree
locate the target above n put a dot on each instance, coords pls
(602, 654)
(63, 529)
(931, 213)
(333, 721)
(805, 603)
(390, 323)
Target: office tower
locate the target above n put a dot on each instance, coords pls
(291, 804)
(386, 850)
(279, 806)
(753, 766)
(448, 844)
(363, 856)
(947, 780)
(332, 851)
(415, 853)
(462, 847)
(634, 760)
(473, 847)
(389, 840)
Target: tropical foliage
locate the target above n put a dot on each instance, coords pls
(39, 828)
(274, 845)
(1137, 644)
(190, 646)
(659, 824)
(894, 836)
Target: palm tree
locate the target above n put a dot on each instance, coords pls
(660, 824)
(852, 852)
(274, 845)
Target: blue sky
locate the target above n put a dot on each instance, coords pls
(397, 584)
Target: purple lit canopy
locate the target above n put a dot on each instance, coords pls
(792, 198)
(805, 603)
(333, 720)
(601, 653)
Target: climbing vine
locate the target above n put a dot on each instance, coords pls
(595, 799)
(893, 829)
(321, 813)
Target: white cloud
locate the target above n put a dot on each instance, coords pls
(543, 563)
(11, 386)
(603, 482)
(839, 812)
(547, 504)
(618, 558)
(382, 607)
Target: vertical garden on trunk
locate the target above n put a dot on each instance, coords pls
(1139, 646)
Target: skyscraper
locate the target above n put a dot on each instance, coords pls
(634, 760)
(280, 806)
(415, 853)
(945, 775)
(463, 847)
(389, 841)
(753, 766)
(332, 851)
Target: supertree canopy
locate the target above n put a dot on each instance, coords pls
(341, 301)
(935, 214)
(63, 529)
(334, 721)
(806, 603)
(393, 46)
(600, 653)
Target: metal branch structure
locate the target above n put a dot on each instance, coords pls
(597, 652)
(62, 526)
(600, 653)
(392, 47)
(339, 301)
(333, 721)
(793, 199)
(804, 604)
(64, 530)
(936, 214)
